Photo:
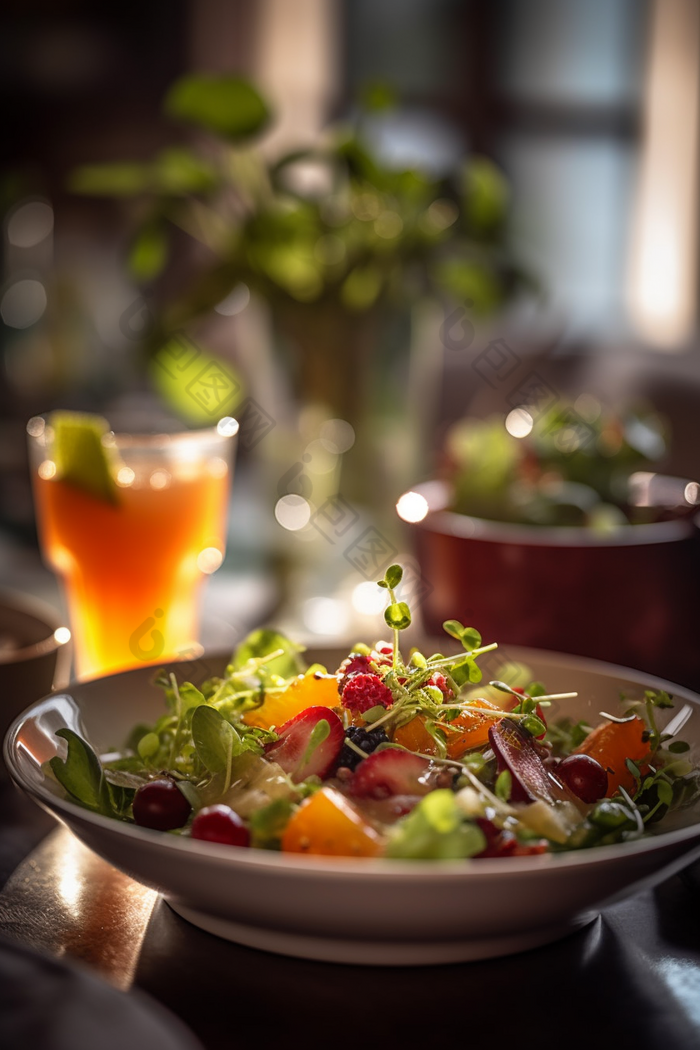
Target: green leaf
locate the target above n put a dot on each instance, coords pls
(214, 738)
(187, 788)
(533, 724)
(122, 179)
(470, 638)
(504, 785)
(469, 280)
(454, 628)
(374, 713)
(611, 816)
(398, 616)
(266, 640)
(267, 824)
(148, 253)
(378, 97)
(81, 773)
(319, 733)
(393, 576)
(179, 171)
(148, 745)
(435, 829)
(222, 384)
(485, 194)
(190, 696)
(678, 747)
(664, 792)
(361, 288)
(228, 106)
(659, 697)
(633, 768)
(466, 670)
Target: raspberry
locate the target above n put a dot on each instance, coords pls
(355, 663)
(363, 691)
(440, 682)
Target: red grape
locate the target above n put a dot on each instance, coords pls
(161, 805)
(584, 776)
(220, 824)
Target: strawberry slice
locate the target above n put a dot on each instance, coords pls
(304, 747)
(389, 772)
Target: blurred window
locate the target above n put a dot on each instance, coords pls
(553, 90)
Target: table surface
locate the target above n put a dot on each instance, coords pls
(632, 975)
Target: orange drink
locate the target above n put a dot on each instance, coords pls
(133, 546)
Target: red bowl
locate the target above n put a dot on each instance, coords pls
(632, 598)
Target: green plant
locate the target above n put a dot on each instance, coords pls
(567, 469)
(369, 234)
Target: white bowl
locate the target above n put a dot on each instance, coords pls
(354, 910)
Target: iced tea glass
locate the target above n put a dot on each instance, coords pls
(132, 570)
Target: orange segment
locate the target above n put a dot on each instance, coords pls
(326, 824)
(314, 690)
(610, 744)
(415, 737)
(469, 729)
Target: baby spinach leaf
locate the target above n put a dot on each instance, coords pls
(80, 773)
(214, 738)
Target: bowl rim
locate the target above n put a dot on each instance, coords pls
(370, 869)
(440, 518)
(43, 613)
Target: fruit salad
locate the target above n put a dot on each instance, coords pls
(398, 754)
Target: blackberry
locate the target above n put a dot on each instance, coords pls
(366, 739)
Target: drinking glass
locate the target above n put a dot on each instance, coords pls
(132, 570)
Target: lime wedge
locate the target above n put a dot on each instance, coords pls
(80, 456)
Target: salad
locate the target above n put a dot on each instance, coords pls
(394, 754)
(570, 468)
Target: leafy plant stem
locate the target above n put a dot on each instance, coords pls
(395, 654)
(176, 734)
(447, 660)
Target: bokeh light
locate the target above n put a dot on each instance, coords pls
(30, 224)
(519, 423)
(412, 507)
(292, 512)
(23, 303)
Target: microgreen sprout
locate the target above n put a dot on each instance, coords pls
(397, 615)
(318, 734)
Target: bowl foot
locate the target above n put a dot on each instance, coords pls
(377, 953)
